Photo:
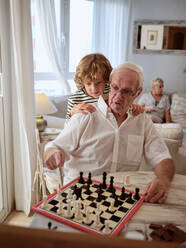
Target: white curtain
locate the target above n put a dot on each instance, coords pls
(25, 155)
(110, 29)
(47, 20)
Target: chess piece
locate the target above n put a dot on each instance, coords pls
(45, 202)
(97, 222)
(111, 207)
(78, 214)
(88, 191)
(104, 185)
(113, 193)
(69, 213)
(69, 196)
(123, 195)
(110, 188)
(60, 209)
(99, 198)
(87, 219)
(106, 229)
(136, 196)
(116, 202)
(129, 200)
(89, 181)
(81, 179)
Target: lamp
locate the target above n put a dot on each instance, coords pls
(43, 107)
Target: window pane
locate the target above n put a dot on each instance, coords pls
(81, 16)
(49, 87)
(41, 61)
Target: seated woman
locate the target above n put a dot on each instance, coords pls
(156, 104)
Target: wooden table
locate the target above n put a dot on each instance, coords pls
(172, 211)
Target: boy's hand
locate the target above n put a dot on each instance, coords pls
(83, 108)
(137, 109)
(53, 158)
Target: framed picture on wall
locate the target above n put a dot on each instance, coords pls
(152, 37)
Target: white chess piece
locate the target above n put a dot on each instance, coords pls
(97, 222)
(111, 207)
(78, 214)
(87, 219)
(106, 230)
(69, 196)
(69, 211)
(60, 209)
(45, 202)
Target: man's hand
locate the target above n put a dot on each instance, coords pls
(83, 108)
(157, 191)
(53, 158)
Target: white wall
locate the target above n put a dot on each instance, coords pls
(169, 67)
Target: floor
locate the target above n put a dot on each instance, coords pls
(18, 218)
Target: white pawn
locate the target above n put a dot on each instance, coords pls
(106, 230)
(111, 207)
(78, 214)
(97, 221)
(45, 202)
(87, 219)
(69, 196)
(69, 212)
(60, 209)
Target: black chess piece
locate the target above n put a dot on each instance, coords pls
(104, 185)
(136, 196)
(123, 195)
(88, 191)
(110, 188)
(81, 179)
(78, 193)
(116, 203)
(129, 199)
(89, 181)
(113, 193)
(99, 198)
(100, 189)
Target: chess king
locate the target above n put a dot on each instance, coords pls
(111, 139)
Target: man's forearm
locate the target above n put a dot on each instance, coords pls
(165, 170)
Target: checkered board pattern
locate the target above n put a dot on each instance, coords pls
(117, 218)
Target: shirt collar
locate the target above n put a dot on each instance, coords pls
(103, 106)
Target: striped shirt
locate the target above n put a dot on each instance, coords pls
(79, 97)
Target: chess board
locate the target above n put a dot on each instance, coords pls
(117, 217)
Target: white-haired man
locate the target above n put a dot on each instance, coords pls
(110, 139)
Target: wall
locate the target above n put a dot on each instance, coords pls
(169, 67)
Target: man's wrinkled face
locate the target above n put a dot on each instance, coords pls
(123, 89)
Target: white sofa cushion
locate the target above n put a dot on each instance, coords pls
(178, 108)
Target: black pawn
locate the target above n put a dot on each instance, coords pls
(129, 200)
(111, 187)
(99, 198)
(89, 181)
(116, 203)
(104, 185)
(136, 196)
(123, 195)
(88, 192)
(81, 179)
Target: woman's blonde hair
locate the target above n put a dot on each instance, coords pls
(157, 81)
(90, 67)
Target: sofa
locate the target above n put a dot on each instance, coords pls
(174, 134)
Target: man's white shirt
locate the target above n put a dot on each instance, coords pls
(94, 143)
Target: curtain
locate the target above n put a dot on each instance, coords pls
(110, 29)
(47, 20)
(24, 141)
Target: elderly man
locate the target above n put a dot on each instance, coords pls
(111, 139)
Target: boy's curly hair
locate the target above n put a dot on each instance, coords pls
(90, 67)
